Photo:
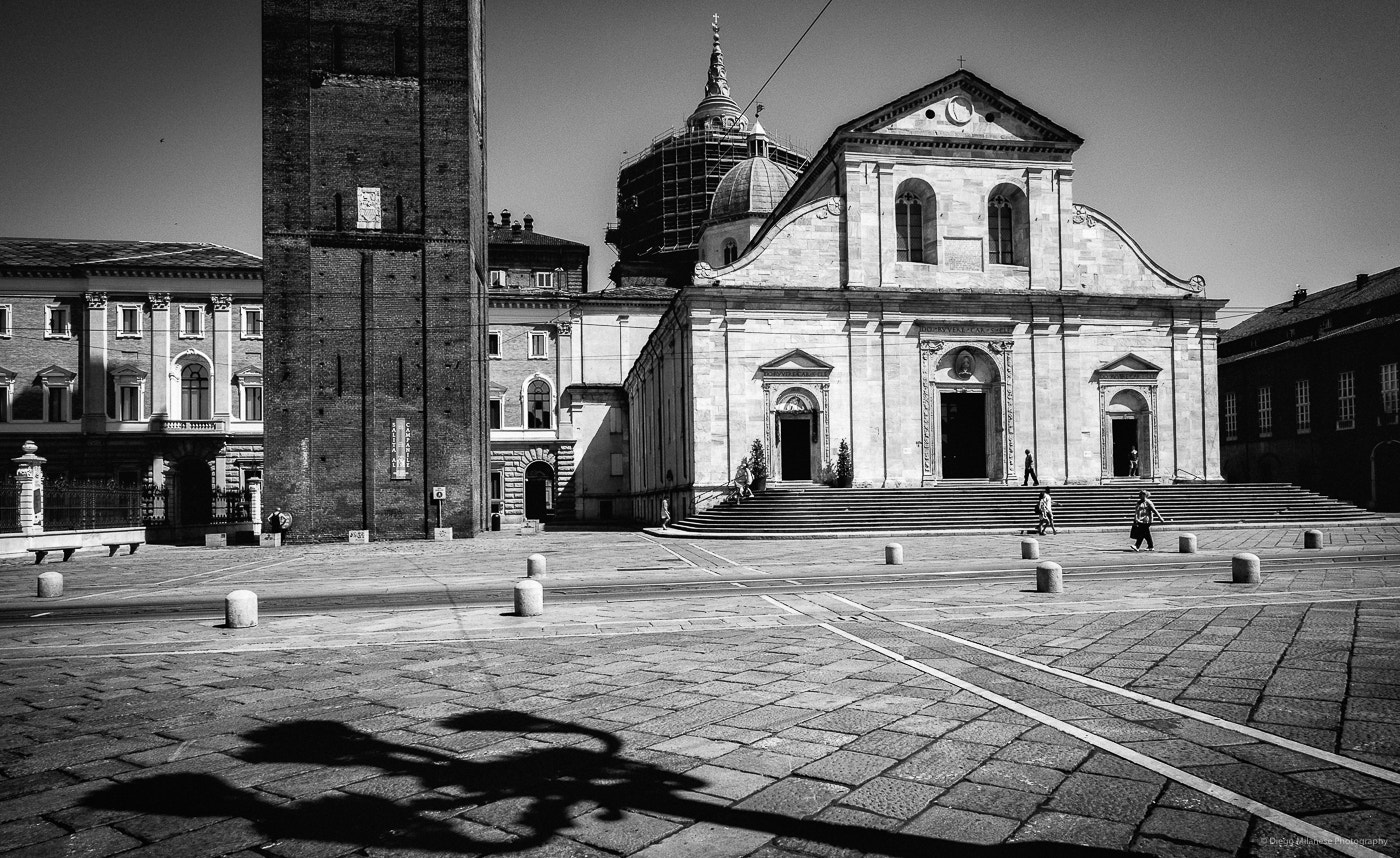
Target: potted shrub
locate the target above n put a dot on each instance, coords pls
(845, 471)
(758, 466)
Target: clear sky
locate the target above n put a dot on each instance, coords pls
(1253, 142)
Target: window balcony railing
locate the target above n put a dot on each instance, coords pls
(166, 424)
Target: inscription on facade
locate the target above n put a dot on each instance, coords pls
(963, 254)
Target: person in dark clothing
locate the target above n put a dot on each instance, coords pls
(1143, 513)
(1030, 476)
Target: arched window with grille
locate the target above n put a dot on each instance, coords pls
(537, 405)
(194, 392)
(731, 251)
(909, 228)
(1000, 242)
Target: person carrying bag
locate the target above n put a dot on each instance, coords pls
(1143, 513)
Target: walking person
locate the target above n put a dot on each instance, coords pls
(1030, 476)
(1045, 510)
(665, 513)
(1143, 514)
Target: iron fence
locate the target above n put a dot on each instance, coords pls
(89, 505)
(230, 506)
(9, 508)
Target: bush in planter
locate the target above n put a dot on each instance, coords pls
(758, 466)
(827, 475)
(845, 471)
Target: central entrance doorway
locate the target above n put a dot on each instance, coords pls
(795, 447)
(539, 490)
(964, 435)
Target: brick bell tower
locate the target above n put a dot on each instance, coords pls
(374, 246)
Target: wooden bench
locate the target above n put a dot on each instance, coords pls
(66, 549)
(131, 544)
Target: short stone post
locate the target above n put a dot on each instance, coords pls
(535, 566)
(1312, 539)
(1049, 578)
(50, 585)
(894, 554)
(29, 474)
(1186, 543)
(1030, 549)
(529, 598)
(255, 503)
(241, 609)
(1244, 569)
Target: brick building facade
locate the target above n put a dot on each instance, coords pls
(134, 362)
(1309, 393)
(374, 250)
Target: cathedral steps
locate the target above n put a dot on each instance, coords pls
(980, 506)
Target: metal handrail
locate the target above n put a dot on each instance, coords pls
(1180, 471)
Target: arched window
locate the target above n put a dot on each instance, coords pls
(194, 393)
(999, 235)
(731, 251)
(909, 228)
(537, 405)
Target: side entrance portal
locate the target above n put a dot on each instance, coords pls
(795, 447)
(1125, 441)
(964, 435)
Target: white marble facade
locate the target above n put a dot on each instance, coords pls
(930, 291)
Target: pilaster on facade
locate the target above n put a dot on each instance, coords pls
(887, 243)
(855, 193)
(160, 352)
(221, 339)
(94, 364)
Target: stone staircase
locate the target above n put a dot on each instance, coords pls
(817, 509)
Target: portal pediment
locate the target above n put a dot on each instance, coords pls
(1128, 367)
(796, 364)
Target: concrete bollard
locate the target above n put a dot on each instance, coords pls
(529, 598)
(241, 609)
(535, 566)
(1186, 543)
(1244, 569)
(50, 585)
(1312, 539)
(1049, 578)
(1030, 549)
(894, 554)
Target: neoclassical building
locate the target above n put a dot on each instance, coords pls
(928, 290)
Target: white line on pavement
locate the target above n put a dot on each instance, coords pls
(857, 605)
(686, 560)
(1243, 802)
(712, 554)
(1335, 759)
(772, 601)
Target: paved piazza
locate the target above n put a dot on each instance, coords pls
(685, 697)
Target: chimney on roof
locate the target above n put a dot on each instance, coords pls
(529, 223)
(490, 218)
(1299, 294)
(515, 231)
(1361, 280)
(505, 217)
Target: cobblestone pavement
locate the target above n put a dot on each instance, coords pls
(1172, 714)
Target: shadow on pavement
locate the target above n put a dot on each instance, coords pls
(545, 787)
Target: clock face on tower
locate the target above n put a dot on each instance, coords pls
(959, 110)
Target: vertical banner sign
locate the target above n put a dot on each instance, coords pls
(399, 453)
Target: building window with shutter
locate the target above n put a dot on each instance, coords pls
(1266, 412)
(1390, 393)
(1302, 395)
(1231, 416)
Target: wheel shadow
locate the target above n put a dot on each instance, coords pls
(581, 769)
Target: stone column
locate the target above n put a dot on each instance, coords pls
(221, 337)
(255, 503)
(29, 474)
(160, 352)
(94, 379)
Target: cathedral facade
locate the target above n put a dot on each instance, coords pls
(929, 291)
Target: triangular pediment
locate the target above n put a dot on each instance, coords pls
(796, 361)
(497, 388)
(57, 373)
(964, 106)
(1129, 364)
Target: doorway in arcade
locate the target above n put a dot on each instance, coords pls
(963, 438)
